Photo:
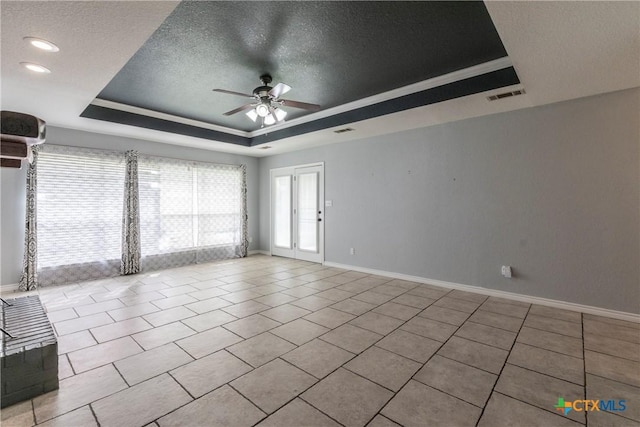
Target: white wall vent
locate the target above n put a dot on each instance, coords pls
(506, 95)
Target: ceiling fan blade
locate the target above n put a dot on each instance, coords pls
(230, 92)
(298, 104)
(279, 90)
(237, 110)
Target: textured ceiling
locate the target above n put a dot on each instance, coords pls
(330, 53)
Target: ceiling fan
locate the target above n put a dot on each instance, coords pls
(267, 102)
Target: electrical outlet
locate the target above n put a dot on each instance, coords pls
(506, 271)
(352, 251)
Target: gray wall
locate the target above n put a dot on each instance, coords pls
(553, 191)
(12, 197)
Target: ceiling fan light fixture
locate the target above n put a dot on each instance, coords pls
(269, 120)
(262, 110)
(280, 114)
(252, 114)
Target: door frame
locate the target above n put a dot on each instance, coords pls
(321, 205)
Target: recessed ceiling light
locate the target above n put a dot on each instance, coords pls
(35, 67)
(42, 44)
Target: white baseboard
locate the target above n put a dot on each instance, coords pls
(259, 252)
(631, 317)
(7, 289)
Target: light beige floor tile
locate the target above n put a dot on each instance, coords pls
(299, 331)
(133, 311)
(60, 315)
(272, 385)
(505, 411)
(99, 307)
(487, 335)
(417, 402)
(376, 322)
(64, 367)
(18, 415)
(508, 301)
(101, 354)
(550, 324)
(162, 335)
(475, 354)
(298, 413)
(622, 370)
(120, 329)
(142, 403)
(82, 323)
(169, 315)
(539, 389)
(207, 305)
(468, 296)
(389, 289)
(171, 302)
(139, 299)
(347, 398)
(383, 367)
(318, 358)
(261, 349)
(556, 313)
(444, 315)
(210, 372)
(457, 379)
(240, 296)
(207, 293)
(351, 338)
(606, 389)
(209, 320)
(410, 345)
(300, 291)
(274, 300)
(78, 391)
(222, 407)
(251, 326)
(612, 346)
(496, 320)
(355, 287)
(245, 309)
(506, 309)
(457, 304)
(612, 321)
(398, 311)
(80, 417)
(312, 303)
(551, 341)
(609, 419)
(616, 331)
(285, 313)
(353, 306)
(75, 341)
(268, 289)
(335, 294)
(373, 297)
(208, 342)
(380, 421)
(178, 290)
(547, 362)
(414, 301)
(429, 328)
(121, 292)
(237, 286)
(159, 360)
(428, 292)
(329, 317)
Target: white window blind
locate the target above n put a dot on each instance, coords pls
(79, 213)
(189, 211)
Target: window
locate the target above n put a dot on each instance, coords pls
(189, 211)
(79, 213)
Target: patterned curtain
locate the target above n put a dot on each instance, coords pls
(29, 279)
(131, 217)
(244, 248)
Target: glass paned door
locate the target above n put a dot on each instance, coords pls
(297, 228)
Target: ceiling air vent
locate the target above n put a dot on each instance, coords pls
(506, 95)
(343, 130)
(264, 147)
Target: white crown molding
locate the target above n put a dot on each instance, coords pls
(621, 315)
(476, 70)
(98, 102)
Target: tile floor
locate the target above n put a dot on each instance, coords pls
(275, 342)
